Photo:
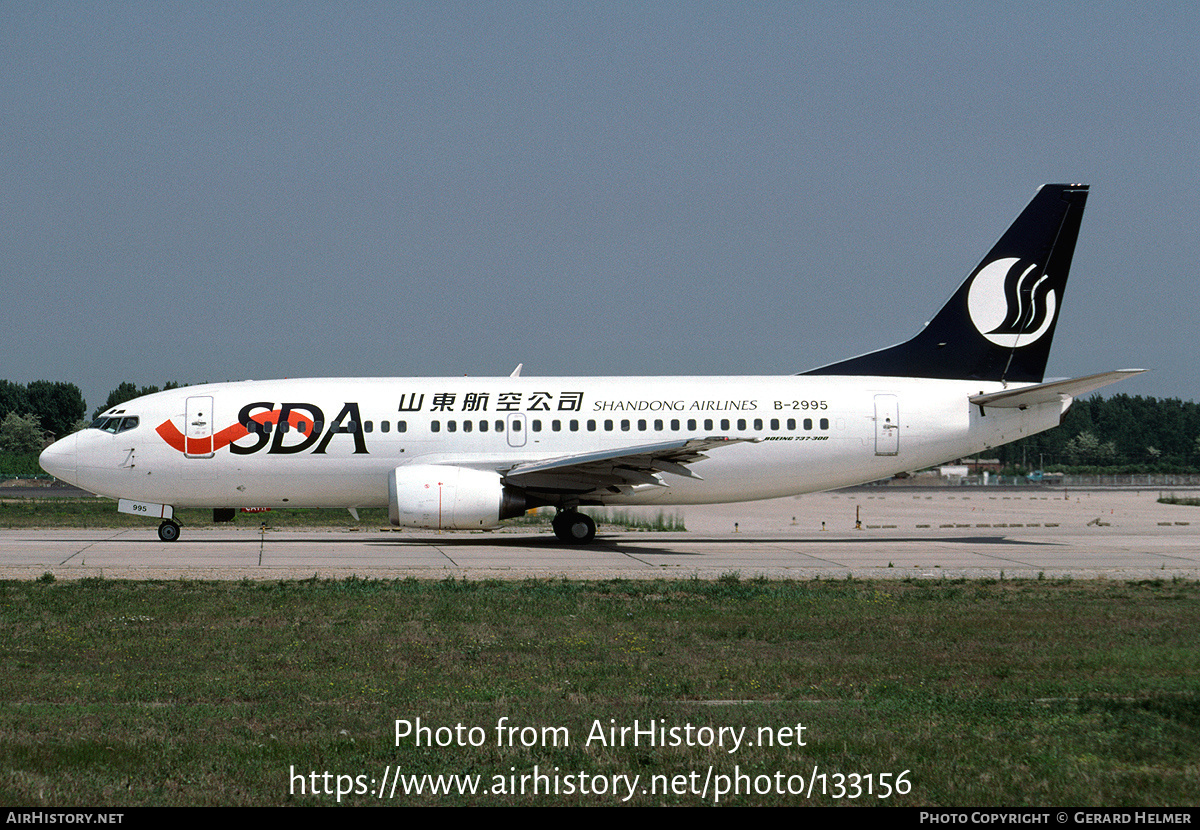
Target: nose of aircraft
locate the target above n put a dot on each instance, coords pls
(59, 459)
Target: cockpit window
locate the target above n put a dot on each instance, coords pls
(114, 425)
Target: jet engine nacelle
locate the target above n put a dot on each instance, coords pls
(450, 498)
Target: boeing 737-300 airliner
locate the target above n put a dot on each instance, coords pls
(458, 453)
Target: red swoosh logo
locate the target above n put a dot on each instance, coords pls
(202, 446)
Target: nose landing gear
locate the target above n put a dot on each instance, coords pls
(168, 531)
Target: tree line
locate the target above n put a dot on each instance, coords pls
(1118, 434)
(48, 408)
(34, 414)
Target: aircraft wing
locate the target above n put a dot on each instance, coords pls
(615, 470)
(1052, 391)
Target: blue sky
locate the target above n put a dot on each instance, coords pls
(214, 191)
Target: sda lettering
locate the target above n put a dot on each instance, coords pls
(296, 427)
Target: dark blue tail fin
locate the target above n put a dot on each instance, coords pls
(999, 324)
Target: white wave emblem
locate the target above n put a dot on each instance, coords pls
(1011, 302)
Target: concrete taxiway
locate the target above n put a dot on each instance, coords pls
(901, 532)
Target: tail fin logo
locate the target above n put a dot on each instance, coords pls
(1011, 302)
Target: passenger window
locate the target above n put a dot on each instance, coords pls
(556, 426)
(467, 425)
(658, 425)
(774, 423)
(368, 426)
(808, 423)
(791, 423)
(401, 426)
(435, 426)
(675, 424)
(483, 426)
(824, 423)
(624, 425)
(741, 423)
(591, 426)
(758, 423)
(642, 425)
(608, 425)
(574, 426)
(725, 424)
(708, 424)
(537, 425)
(452, 426)
(385, 426)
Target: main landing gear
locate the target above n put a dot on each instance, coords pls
(168, 531)
(573, 527)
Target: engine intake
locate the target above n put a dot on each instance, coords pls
(450, 498)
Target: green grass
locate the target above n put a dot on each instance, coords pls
(96, 512)
(632, 520)
(610, 517)
(1177, 500)
(1014, 693)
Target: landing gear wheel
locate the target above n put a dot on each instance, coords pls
(574, 528)
(168, 531)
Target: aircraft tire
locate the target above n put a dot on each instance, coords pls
(168, 531)
(574, 528)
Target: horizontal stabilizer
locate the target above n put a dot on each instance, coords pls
(1052, 391)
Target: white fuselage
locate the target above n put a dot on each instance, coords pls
(801, 434)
